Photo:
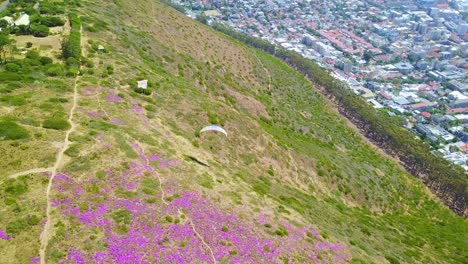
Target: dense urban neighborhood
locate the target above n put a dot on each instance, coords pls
(406, 58)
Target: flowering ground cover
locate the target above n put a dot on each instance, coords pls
(174, 226)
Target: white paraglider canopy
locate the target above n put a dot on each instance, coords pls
(214, 128)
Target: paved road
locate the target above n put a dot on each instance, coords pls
(4, 5)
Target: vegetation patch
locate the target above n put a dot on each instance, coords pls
(56, 123)
(11, 131)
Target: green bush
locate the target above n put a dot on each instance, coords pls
(72, 71)
(22, 224)
(17, 226)
(55, 70)
(281, 231)
(31, 62)
(56, 123)
(71, 61)
(33, 55)
(45, 60)
(110, 69)
(39, 31)
(51, 21)
(122, 216)
(10, 76)
(12, 67)
(146, 91)
(58, 85)
(12, 131)
(16, 189)
(13, 100)
(51, 8)
(58, 100)
(73, 151)
(392, 259)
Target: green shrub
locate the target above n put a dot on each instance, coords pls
(12, 131)
(10, 76)
(39, 31)
(17, 226)
(73, 151)
(56, 123)
(392, 259)
(22, 224)
(45, 60)
(16, 189)
(122, 216)
(89, 64)
(12, 67)
(72, 71)
(110, 69)
(32, 220)
(58, 100)
(13, 100)
(31, 62)
(205, 180)
(51, 21)
(281, 231)
(51, 7)
(324, 234)
(32, 54)
(58, 86)
(55, 70)
(93, 188)
(71, 61)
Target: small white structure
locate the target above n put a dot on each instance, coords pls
(143, 84)
(23, 20)
(101, 48)
(8, 19)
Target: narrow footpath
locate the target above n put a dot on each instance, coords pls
(45, 235)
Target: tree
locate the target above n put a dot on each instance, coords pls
(3, 23)
(202, 19)
(367, 56)
(12, 48)
(39, 30)
(4, 42)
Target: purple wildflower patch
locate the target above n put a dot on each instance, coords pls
(4, 236)
(113, 98)
(186, 228)
(95, 114)
(116, 121)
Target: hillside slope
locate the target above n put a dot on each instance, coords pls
(292, 181)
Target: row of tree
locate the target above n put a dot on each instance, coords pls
(7, 47)
(448, 181)
(71, 45)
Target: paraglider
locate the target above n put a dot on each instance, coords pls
(214, 128)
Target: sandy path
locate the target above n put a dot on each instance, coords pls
(45, 235)
(202, 240)
(31, 171)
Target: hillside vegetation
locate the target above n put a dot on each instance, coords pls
(137, 183)
(448, 181)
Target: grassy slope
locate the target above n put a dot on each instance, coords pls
(288, 154)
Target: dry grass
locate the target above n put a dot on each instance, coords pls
(52, 42)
